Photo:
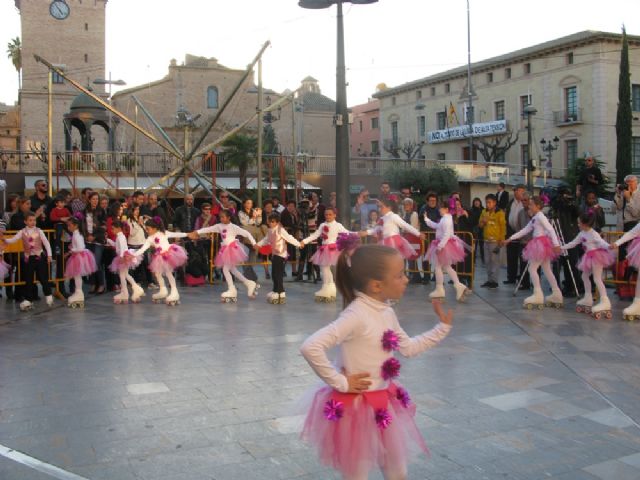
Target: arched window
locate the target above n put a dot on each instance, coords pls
(212, 97)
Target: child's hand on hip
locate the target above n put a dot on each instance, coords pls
(358, 382)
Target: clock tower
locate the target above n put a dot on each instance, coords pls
(71, 35)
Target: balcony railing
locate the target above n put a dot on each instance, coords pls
(564, 117)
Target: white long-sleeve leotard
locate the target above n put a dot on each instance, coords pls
(358, 331)
(332, 234)
(162, 245)
(590, 240)
(540, 226)
(630, 235)
(120, 244)
(230, 230)
(38, 241)
(77, 242)
(443, 228)
(392, 223)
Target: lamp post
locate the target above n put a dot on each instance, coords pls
(342, 118)
(528, 111)
(549, 147)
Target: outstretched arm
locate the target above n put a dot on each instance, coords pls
(412, 346)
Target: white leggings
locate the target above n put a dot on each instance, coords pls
(227, 271)
(170, 278)
(124, 278)
(535, 278)
(440, 274)
(327, 276)
(389, 473)
(597, 279)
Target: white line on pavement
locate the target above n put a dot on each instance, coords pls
(36, 464)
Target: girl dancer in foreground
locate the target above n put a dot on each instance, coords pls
(166, 258)
(327, 254)
(540, 250)
(231, 254)
(121, 264)
(596, 258)
(447, 249)
(363, 419)
(632, 312)
(81, 263)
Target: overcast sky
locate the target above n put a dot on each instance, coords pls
(392, 41)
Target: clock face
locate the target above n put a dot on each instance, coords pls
(59, 9)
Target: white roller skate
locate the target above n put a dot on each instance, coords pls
(462, 292)
(282, 298)
(25, 306)
(137, 293)
(585, 304)
(173, 299)
(632, 312)
(252, 288)
(534, 301)
(602, 309)
(438, 292)
(273, 298)
(554, 300)
(76, 300)
(160, 295)
(230, 296)
(327, 294)
(49, 300)
(122, 297)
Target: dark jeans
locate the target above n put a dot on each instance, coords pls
(97, 278)
(277, 273)
(515, 262)
(39, 266)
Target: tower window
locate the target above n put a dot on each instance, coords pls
(86, 27)
(86, 58)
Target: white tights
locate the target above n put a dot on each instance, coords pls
(124, 278)
(597, 279)
(535, 278)
(327, 276)
(226, 271)
(172, 282)
(440, 275)
(389, 473)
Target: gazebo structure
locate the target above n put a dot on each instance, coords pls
(83, 114)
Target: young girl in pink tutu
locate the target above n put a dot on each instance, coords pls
(540, 251)
(388, 228)
(633, 257)
(327, 254)
(363, 418)
(447, 249)
(166, 258)
(122, 263)
(231, 254)
(80, 262)
(595, 259)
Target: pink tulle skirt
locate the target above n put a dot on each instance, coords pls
(599, 256)
(402, 245)
(232, 254)
(326, 255)
(633, 253)
(5, 268)
(452, 253)
(166, 262)
(126, 262)
(80, 264)
(539, 249)
(356, 442)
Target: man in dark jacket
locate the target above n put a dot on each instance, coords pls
(185, 215)
(565, 212)
(502, 197)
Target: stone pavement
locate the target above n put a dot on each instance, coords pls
(208, 390)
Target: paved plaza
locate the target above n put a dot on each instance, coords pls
(208, 390)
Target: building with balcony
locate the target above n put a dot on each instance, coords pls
(571, 81)
(364, 134)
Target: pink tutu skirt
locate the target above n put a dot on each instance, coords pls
(356, 433)
(166, 262)
(598, 256)
(539, 249)
(128, 261)
(326, 255)
(633, 253)
(80, 264)
(402, 245)
(452, 253)
(5, 268)
(232, 255)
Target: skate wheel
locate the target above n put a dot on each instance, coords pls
(608, 315)
(528, 306)
(234, 300)
(540, 306)
(283, 301)
(318, 299)
(558, 305)
(579, 309)
(597, 315)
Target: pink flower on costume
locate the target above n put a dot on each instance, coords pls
(403, 396)
(383, 418)
(389, 341)
(333, 410)
(390, 368)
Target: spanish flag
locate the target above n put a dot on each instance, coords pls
(452, 116)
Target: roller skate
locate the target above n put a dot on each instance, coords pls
(49, 300)
(282, 298)
(584, 304)
(273, 298)
(160, 295)
(122, 297)
(25, 306)
(230, 296)
(534, 301)
(137, 293)
(173, 299)
(602, 309)
(554, 300)
(252, 288)
(438, 292)
(327, 294)
(76, 300)
(632, 312)
(462, 292)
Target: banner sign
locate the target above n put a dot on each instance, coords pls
(457, 133)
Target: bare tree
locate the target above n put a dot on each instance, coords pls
(493, 148)
(409, 149)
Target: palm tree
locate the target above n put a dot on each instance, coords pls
(14, 53)
(240, 151)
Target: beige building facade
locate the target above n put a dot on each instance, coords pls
(572, 82)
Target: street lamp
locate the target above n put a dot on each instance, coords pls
(342, 118)
(528, 111)
(549, 147)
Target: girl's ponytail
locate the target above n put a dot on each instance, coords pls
(343, 278)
